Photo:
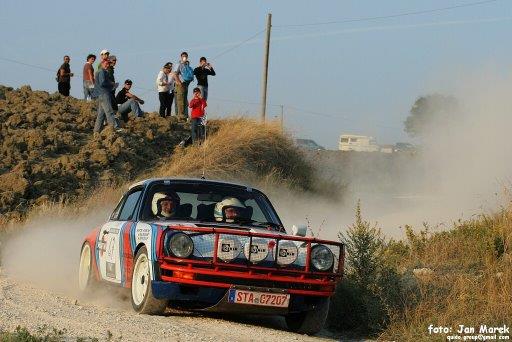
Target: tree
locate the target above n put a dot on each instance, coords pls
(431, 112)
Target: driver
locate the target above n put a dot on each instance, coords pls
(229, 209)
(164, 205)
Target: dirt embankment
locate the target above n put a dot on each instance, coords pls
(48, 151)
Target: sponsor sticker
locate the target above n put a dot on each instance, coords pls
(111, 270)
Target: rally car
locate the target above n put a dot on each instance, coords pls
(206, 245)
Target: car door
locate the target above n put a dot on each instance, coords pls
(110, 235)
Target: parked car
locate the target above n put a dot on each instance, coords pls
(309, 144)
(358, 143)
(404, 147)
(213, 246)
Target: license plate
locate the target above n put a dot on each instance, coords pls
(279, 300)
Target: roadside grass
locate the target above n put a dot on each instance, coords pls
(46, 334)
(43, 334)
(459, 276)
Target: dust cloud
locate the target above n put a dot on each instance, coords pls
(45, 250)
(462, 169)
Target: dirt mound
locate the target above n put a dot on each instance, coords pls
(48, 151)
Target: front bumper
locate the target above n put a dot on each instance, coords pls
(212, 299)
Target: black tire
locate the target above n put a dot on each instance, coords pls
(144, 302)
(309, 322)
(86, 280)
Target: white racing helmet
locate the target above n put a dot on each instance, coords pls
(227, 202)
(159, 197)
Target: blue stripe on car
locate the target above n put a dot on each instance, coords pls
(121, 252)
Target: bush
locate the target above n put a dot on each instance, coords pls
(365, 300)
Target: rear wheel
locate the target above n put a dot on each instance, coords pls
(142, 295)
(86, 280)
(309, 322)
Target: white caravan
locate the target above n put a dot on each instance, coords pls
(359, 143)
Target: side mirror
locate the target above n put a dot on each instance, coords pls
(299, 230)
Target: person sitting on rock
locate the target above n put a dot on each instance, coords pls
(127, 102)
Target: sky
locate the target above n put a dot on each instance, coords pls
(356, 76)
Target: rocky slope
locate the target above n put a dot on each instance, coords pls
(48, 150)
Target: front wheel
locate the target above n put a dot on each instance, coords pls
(309, 322)
(142, 295)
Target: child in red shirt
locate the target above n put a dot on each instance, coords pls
(197, 104)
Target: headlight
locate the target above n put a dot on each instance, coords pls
(322, 258)
(181, 245)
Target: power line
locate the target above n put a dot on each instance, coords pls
(26, 64)
(396, 15)
(238, 45)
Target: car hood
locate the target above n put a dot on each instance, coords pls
(171, 224)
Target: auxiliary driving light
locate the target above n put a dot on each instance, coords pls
(258, 249)
(287, 253)
(181, 245)
(228, 248)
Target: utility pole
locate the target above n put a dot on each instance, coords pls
(282, 118)
(265, 69)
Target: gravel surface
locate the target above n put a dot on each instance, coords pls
(110, 311)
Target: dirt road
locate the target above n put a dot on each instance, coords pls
(32, 307)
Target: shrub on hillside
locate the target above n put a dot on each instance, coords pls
(370, 292)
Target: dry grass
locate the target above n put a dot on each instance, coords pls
(471, 282)
(244, 150)
(101, 198)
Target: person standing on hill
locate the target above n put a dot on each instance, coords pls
(104, 54)
(165, 87)
(185, 75)
(128, 102)
(103, 89)
(197, 104)
(88, 77)
(202, 72)
(110, 70)
(64, 77)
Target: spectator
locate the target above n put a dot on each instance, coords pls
(198, 104)
(201, 72)
(103, 89)
(185, 75)
(64, 77)
(110, 70)
(128, 102)
(103, 55)
(88, 76)
(165, 86)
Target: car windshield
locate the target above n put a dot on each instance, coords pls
(209, 203)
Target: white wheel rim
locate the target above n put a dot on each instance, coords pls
(85, 267)
(140, 280)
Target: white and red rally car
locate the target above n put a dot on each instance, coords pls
(214, 246)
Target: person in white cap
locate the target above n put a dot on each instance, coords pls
(103, 55)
